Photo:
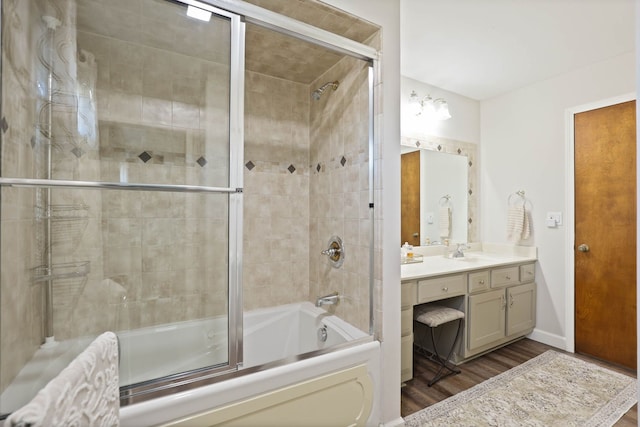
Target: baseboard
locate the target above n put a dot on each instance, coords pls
(553, 340)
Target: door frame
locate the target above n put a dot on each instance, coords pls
(570, 302)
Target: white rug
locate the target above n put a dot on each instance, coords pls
(552, 389)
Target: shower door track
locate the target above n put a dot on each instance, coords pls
(96, 185)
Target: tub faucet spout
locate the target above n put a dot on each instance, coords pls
(331, 299)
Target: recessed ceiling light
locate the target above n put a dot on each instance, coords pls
(197, 13)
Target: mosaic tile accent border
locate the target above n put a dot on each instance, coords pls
(461, 148)
(275, 167)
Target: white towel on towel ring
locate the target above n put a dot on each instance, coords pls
(518, 225)
(85, 393)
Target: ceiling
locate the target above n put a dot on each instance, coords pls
(481, 49)
(279, 55)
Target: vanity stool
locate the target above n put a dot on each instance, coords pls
(433, 316)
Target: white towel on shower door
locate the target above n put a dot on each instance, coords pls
(85, 393)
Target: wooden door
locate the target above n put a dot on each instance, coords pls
(410, 198)
(605, 231)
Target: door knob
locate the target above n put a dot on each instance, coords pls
(415, 234)
(583, 247)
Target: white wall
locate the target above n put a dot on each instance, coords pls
(464, 124)
(386, 13)
(524, 148)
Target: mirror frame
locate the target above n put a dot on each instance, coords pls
(470, 151)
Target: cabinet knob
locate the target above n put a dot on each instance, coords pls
(508, 277)
(445, 289)
(481, 282)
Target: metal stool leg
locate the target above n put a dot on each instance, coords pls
(444, 363)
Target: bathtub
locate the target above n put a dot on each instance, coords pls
(275, 335)
(271, 336)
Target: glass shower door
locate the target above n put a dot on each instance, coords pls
(120, 206)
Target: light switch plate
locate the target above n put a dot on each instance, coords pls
(553, 219)
(429, 217)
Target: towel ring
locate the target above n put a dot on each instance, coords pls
(520, 194)
(447, 200)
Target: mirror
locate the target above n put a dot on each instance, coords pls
(438, 179)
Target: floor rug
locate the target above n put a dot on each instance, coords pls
(553, 389)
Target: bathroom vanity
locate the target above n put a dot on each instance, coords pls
(493, 284)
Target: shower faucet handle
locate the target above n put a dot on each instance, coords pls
(331, 252)
(335, 251)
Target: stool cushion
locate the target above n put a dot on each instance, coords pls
(436, 315)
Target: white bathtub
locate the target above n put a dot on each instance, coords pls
(270, 335)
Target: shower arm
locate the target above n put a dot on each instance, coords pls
(318, 92)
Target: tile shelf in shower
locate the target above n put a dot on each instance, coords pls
(61, 271)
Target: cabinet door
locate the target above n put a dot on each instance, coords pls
(406, 358)
(486, 318)
(521, 308)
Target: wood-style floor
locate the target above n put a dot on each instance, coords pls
(417, 395)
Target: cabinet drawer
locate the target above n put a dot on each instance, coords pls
(441, 288)
(406, 321)
(408, 294)
(478, 281)
(527, 273)
(504, 277)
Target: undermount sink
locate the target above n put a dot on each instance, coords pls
(474, 257)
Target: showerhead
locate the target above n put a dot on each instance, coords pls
(317, 94)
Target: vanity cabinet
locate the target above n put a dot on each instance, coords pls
(499, 314)
(499, 304)
(503, 311)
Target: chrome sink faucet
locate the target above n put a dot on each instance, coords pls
(331, 299)
(459, 252)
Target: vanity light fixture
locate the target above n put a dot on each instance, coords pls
(197, 13)
(428, 107)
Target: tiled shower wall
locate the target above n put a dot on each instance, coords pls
(20, 298)
(276, 192)
(306, 179)
(339, 189)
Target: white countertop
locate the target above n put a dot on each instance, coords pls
(489, 255)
